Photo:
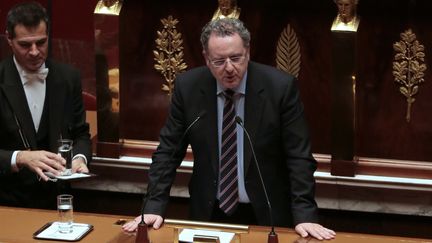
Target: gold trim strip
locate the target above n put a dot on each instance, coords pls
(236, 228)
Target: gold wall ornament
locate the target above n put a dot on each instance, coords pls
(288, 52)
(109, 7)
(169, 53)
(227, 9)
(409, 67)
(346, 19)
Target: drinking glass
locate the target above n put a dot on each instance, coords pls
(65, 212)
(65, 150)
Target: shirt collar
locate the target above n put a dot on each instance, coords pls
(22, 71)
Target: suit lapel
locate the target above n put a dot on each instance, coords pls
(14, 92)
(56, 93)
(209, 101)
(254, 104)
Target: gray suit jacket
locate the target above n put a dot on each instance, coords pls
(64, 113)
(273, 117)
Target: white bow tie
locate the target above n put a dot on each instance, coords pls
(40, 75)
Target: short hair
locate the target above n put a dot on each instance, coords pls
(352, 1)
(29, 14)
(224, 27)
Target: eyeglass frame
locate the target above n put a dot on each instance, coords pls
(225, 60)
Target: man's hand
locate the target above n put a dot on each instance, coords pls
(150, 219)
(40, 161)
(315, 230)
(79, 166)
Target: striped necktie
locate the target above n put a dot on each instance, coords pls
(229, 198)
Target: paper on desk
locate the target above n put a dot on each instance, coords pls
(68, 177)
(187, 235)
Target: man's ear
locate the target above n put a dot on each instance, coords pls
(248, 53)
(8, 37)
(205, 57)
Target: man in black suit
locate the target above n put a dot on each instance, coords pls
(267, 100)
(40, 102)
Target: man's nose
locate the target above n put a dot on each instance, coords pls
(34, 51)
(229, 66)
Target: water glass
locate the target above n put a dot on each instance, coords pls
(65, 212)
(65, 147)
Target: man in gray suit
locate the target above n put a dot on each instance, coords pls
(267, 100)
(40, 102)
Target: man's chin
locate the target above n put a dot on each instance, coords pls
(34, 68)
(231, 85)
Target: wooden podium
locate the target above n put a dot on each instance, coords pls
(19, 224)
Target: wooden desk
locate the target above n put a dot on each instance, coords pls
(18, 225)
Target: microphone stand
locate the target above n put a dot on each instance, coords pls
(142, 231)
(272, 236)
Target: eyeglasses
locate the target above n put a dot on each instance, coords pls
(234, 60)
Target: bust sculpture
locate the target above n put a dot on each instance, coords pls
(227, 9)
(347, 19)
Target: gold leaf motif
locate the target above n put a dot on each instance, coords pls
(169, 53)
(409, 67)
(288, 52)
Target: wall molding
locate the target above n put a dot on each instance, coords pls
(363, 192)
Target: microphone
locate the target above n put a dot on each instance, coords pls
(22, 135)
(142, 236)
(272, 237)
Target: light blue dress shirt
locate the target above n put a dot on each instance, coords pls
(239, 100)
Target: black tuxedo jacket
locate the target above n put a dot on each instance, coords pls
(273, 117)
(63, 114)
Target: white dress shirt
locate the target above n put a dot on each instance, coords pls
(35, 88)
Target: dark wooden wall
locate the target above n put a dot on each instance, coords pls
(381, 129)
(142, 92)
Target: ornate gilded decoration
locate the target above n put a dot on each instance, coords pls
(110, 7)
(409, 67)
(346, 19)
(339, 25)
(169, 54)
(227, 9)
(288, 52)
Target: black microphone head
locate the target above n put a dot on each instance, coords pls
(202, 113)
(239, 120)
